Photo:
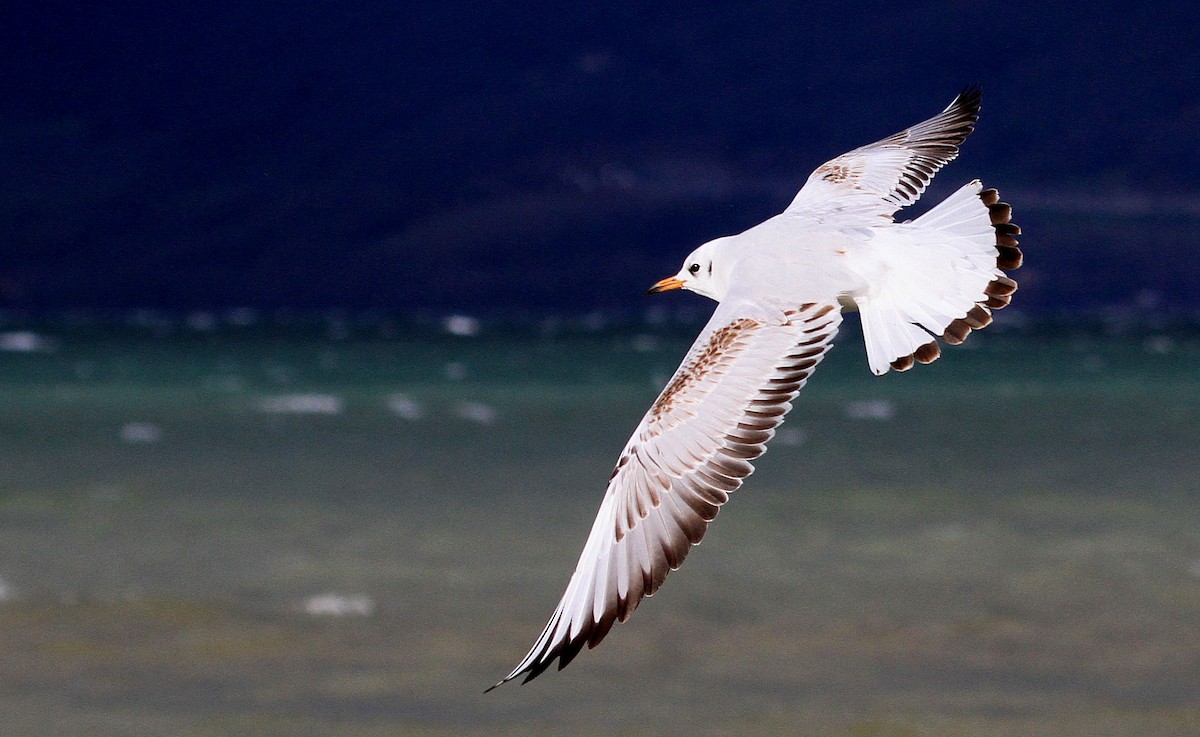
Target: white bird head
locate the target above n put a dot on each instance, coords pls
(705, 271)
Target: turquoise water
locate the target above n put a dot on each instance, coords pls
(351, 526)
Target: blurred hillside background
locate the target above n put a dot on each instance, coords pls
(456, 155)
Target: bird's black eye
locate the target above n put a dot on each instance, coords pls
(694, 268)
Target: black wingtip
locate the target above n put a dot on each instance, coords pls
(969, 99)
(536, 671)
(530, 673)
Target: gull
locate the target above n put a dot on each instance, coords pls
(781, 288)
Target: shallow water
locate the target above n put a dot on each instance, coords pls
(1005, 542)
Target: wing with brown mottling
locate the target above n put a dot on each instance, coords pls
(874, 181)
(690, 451)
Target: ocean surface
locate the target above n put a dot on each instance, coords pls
(274, 524)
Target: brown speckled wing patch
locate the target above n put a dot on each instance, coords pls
(837, 172)
(720, 349)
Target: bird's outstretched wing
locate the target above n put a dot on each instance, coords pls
(690, 451)
(876, 180)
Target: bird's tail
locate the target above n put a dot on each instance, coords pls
(943, 280)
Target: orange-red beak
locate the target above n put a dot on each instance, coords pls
(666, 285)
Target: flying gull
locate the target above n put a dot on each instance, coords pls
(781, 287)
